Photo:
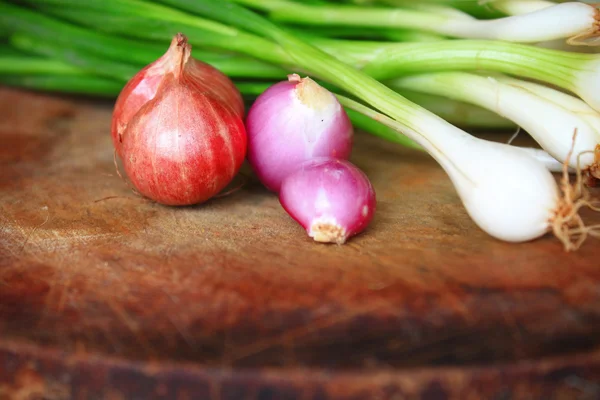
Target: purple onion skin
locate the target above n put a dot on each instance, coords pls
(331, 198)
(292, 122)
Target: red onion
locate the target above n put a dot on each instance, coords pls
(183, 146)
(331, 198)
(292, 122)
(144, 85)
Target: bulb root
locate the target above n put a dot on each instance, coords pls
(595, 168)
(324, 232)
(567, 224)
(591, 37)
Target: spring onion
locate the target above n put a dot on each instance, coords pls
(575, 72)
(40, 34)
(577, 21)
(571, 71)
(549, 118)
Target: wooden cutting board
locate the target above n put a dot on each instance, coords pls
(104, 294)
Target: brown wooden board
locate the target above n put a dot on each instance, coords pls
(104, 294)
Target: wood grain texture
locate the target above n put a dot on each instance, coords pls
(99, 283)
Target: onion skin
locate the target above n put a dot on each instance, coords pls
(331, 198)
(291, 122)
(144, 85)
(183, 147)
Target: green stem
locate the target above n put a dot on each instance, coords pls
(385, 61)
(387, 128)
(76, 84)
(346, 15)
(40, 34)
(19, 65)
(380, 60)
(388, 60)
(18, 19)
(87, 62)
(475, 8)
(365, 122)
(458, 113)
(341, 32)
(233, 66)
(146, 20)
(6, 51)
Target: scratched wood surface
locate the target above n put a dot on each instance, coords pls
(106, 295)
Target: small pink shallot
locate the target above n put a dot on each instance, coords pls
(291, 122)
(331, 198)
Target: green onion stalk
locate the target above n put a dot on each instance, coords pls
(69, 84)
(578, 73)
(547, 114)
(342, 32)
(140, 20)
(540, 22)
(233, 66)
(482, 9)
(103, 55)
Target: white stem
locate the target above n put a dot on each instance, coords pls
(566, 20)
(507, 192)
(586, 83)
(567, 101)
(518, 7)
(549, 118)
(560, 21)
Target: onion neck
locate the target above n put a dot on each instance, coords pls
(179, 53)
(310, 93)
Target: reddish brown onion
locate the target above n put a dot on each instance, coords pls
(144, 85)
(183, 147)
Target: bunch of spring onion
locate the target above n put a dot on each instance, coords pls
(394, 62)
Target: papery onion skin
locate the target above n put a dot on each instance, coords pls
(183, 147)
(331, 198)
(144, 85)
(291, 122)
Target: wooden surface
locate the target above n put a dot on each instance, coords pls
(106, 295)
